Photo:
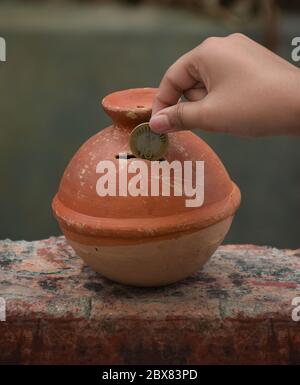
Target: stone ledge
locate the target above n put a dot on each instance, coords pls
(237, 310)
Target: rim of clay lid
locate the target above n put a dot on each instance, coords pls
(193, 220)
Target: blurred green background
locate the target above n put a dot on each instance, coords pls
(63, 57)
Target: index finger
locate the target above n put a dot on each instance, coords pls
(180, 77)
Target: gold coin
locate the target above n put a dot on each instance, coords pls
(147, 144)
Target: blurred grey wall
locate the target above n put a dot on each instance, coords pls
(62, 61)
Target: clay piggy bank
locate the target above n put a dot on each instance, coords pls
(136, 237)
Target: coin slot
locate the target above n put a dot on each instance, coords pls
(131, 156)
(125, 156)
(140, 106)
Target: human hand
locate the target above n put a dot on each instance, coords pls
(232, 85)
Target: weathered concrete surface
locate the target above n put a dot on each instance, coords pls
(236, 310)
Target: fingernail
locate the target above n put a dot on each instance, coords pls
(160, 123)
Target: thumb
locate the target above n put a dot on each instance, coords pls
(181, 116)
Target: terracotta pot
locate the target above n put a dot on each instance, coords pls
(142, 240)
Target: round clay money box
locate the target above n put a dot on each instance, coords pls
(143, 238)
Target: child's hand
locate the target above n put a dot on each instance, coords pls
(232, 85)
